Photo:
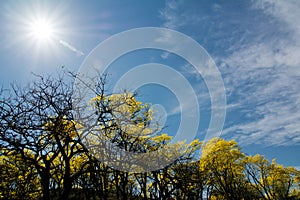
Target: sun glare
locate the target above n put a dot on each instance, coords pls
(41, 30)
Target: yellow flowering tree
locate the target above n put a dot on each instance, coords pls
(125, 123)
(17, 178)
(36, 124)
(223, 163)
(271, 180)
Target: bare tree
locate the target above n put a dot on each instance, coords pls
(36, 123)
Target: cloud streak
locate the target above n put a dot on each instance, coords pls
(265, 76)
(260, 67)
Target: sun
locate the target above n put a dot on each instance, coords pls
(41, 30)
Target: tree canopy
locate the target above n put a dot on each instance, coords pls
(43, 154)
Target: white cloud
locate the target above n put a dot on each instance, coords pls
(165, 55)
(279, 126)
(285, 11)
(261, 70)
(216, 7)
(176, 16)
(288, 15)
(169, 15)
(271, 69)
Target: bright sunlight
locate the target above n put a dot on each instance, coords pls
(41, 30)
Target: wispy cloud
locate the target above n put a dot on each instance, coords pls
(176, 16)
(285, 11)
(169, 15)
(264, 75)
(260, 66)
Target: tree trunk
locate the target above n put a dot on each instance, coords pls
(45, 181)
(67, 181)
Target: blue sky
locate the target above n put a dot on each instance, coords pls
(255, 45)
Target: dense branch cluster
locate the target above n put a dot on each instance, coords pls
(43, 153)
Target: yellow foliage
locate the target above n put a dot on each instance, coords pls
(161, 138)
(17, 178)
(221, 154)
(61, 126)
